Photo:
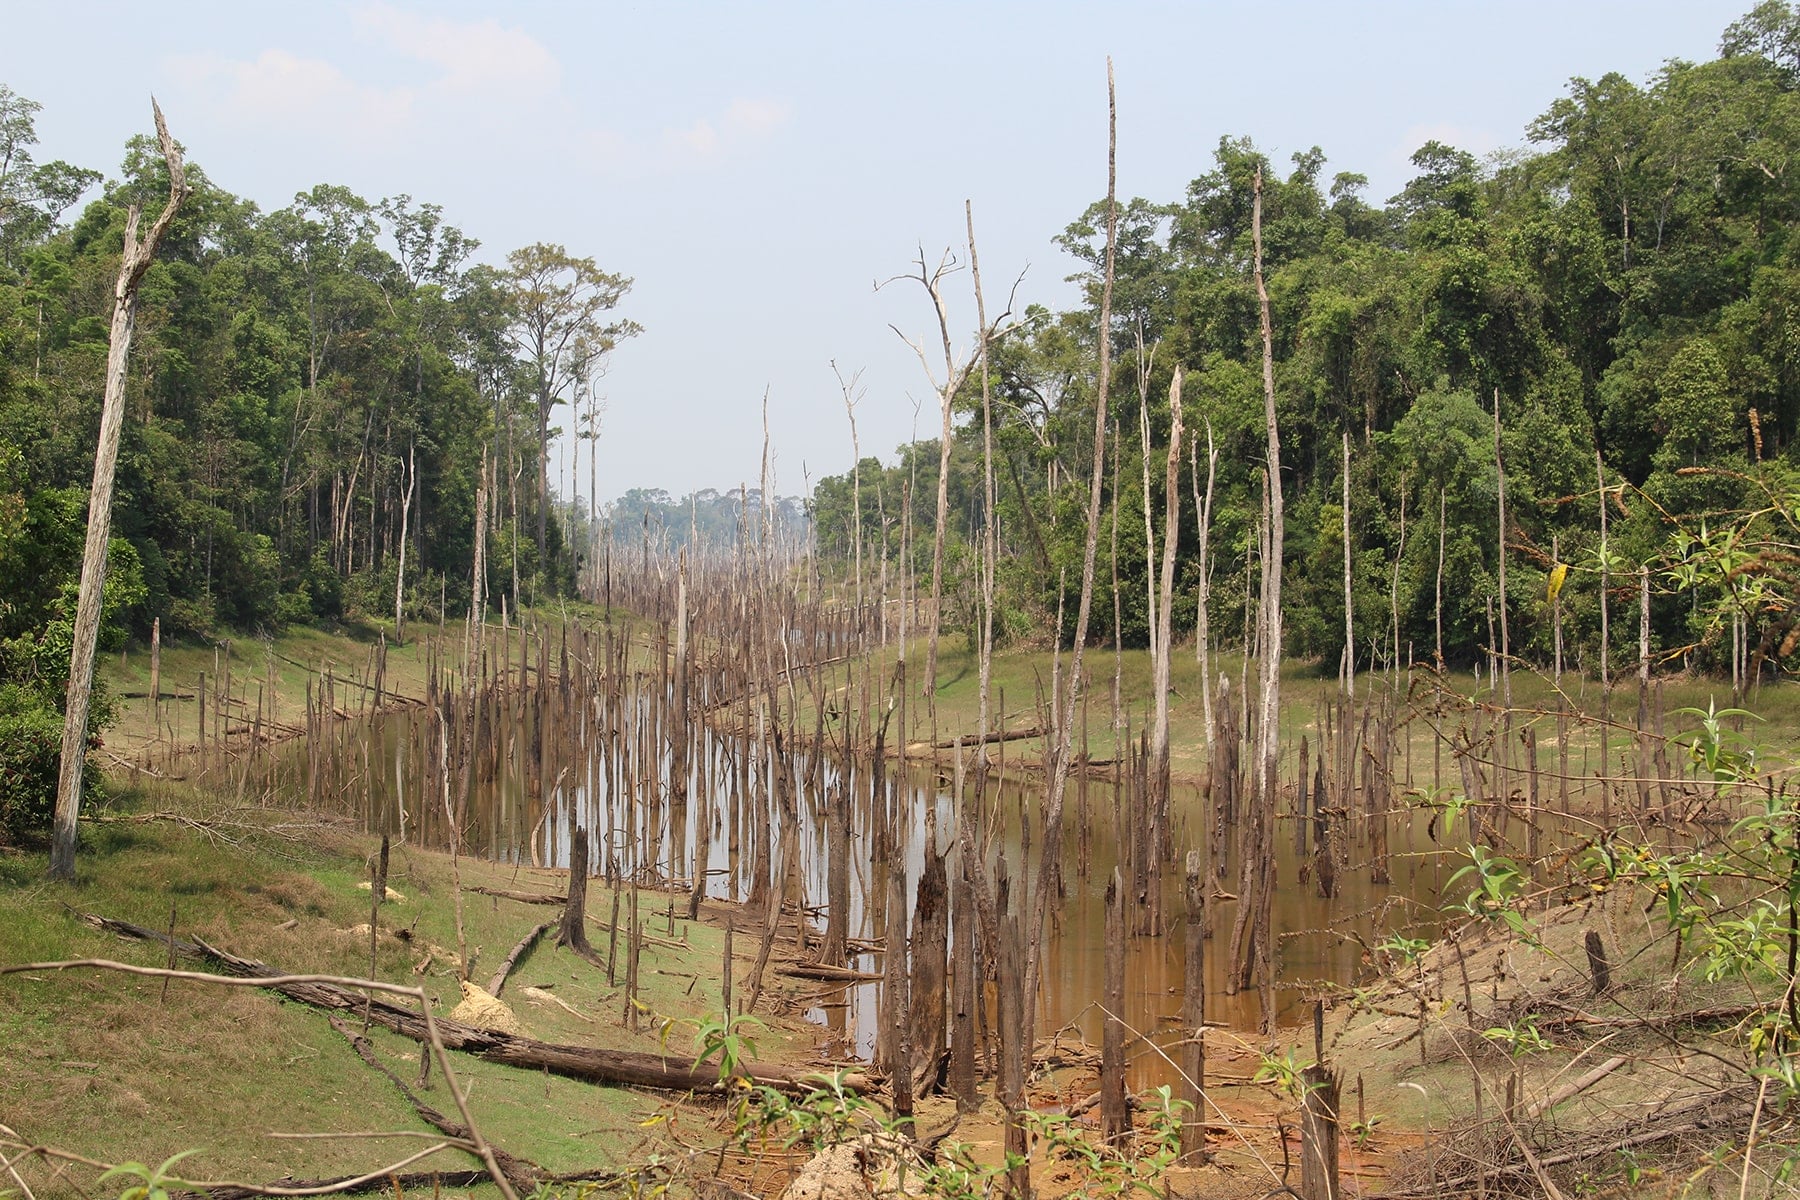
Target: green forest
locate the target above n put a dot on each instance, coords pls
(1624, 290)
(319, 400)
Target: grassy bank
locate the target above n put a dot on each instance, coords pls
(108, 1066)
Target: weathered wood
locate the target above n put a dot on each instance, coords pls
(991, 739)
(930, 960)
(965, 996)
(571, 932)
(896, 1009)
(1319, 1134)
(1598, 967)
(1115, 1119)
(86, 632)
(827, 972)
(1193, 1014)
(497, 980)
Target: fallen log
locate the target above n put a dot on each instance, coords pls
(497, 980)
(618, 1068)
(524, 897)
(1011, 735)
(810, 970)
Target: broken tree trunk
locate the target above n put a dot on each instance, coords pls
(572, 931)
(930, 967)
(132, 266)
(1193, 1014)
(1115, 1118)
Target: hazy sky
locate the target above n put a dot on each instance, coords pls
(757, 167)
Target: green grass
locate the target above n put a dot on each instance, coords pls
(1022, 678)
(101, 1064)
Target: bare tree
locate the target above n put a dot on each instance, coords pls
(1203, 617)
(134, 262)
(853, 394)
(1159, 730)
(1250, 948)
(1347, 676)
(955, 374)
(1050, 855)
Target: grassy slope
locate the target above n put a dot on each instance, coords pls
(99, 1064)
(1021, 676)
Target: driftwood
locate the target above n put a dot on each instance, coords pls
(619, 1068)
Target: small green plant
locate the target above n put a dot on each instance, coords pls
(1361, 1132)
(955, 1174)
(152, 1183)
(1498, 885)
(1284, 1073)
(727, 1040)
(1404, 950)
(1113, 1170)
(1520, 1037)
(1723, 753)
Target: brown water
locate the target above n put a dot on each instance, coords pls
(387, 783)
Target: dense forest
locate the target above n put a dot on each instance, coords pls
(1625, 291)
(320, 400)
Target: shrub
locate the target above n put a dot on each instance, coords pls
(30, 750)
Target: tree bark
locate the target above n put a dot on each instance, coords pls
(1250, 948)
(1193, 1015)
(132, 265)
(572, 932)
(1115, 1118)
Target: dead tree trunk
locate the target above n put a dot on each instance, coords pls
(1051, 854)
(1115, 1118)
(572, 932)
(1159, 729)
(134, 262)
(930, 967)
(1193, 1016)
(1250, 937)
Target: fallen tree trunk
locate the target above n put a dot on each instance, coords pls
(618, 1068)
(497, 980)
(810, 970)
(1011, 735)
(524, 897)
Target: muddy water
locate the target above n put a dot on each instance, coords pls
(390, 787)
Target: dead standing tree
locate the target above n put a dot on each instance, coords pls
(134, 262)
(1251, 947)
(1051, 854)
(955, 374)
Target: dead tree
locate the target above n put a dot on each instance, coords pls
(572, 932)
(1159, 729)
(955, 373)
(1250, 936)
(133, 263)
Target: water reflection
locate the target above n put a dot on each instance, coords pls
(612, 785)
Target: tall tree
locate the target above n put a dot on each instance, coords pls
(132, 264)
(560, 323)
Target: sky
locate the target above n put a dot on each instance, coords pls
(757, 168)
